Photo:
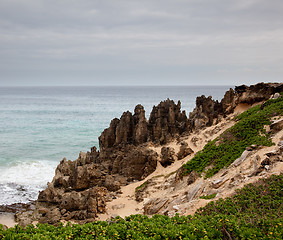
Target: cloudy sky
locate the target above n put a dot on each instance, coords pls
(148, 42)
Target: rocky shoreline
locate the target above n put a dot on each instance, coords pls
(81, 189)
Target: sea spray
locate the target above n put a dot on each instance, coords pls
(21, 181)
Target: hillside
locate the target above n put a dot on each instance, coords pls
(216, 171)
(169, 165)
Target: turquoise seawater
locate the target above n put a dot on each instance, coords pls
(41, 125)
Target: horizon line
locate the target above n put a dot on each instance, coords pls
(201, 85)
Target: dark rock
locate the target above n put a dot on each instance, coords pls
(111, 184)
(209, 111)
(166, 121)
(184, 151)
(257, 93)
(206, 111)
(167, 156)
(140, 132)
(17, 207)
(265, 162)
(73, 205)
(229, 103)
(137, 164)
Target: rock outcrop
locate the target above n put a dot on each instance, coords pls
(122, 158)
(208, 111)
(80, 188)
(167, 121)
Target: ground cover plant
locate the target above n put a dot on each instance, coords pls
(248, 130)
(255, 212)
(207, 197)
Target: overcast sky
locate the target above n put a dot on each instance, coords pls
(144, 42)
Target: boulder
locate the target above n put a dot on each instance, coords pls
(78, 205)
(154, 205)
(168, 156)
(184, 151)
(239, 160)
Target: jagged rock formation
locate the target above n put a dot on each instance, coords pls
(167, 121)
(208, 111)
(122, 158)
(81, 188)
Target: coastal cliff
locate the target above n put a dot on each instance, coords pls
(133, 148)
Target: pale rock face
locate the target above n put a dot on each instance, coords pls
(153, 206)
(239, 160)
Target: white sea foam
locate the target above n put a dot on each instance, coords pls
(21, 182)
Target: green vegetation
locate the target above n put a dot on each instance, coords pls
(255, 212)
(207, 197)
(142, 186)
(225, 149)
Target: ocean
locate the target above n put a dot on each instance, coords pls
(39, 126)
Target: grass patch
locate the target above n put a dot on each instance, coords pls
(229, 146)
(207, 197)
(142, 186)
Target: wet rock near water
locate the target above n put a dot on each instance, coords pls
(17, 207)
(54, 204)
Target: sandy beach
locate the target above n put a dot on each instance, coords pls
(7, 219)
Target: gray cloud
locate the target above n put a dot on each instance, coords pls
(140, 42)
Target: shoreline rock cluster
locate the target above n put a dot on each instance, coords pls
(80, 189)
